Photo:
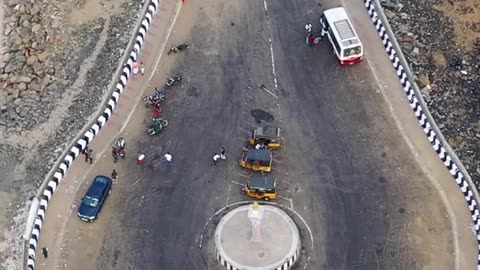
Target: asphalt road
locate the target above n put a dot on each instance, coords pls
(344, 165)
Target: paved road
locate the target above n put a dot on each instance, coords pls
(344, 165)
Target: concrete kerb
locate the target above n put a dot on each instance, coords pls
(425, 119)
(292, 213)
(58, 171)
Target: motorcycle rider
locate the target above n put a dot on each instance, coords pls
(121, 147)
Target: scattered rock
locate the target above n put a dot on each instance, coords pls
(32, 59)
(22, 86)
(439, 60)
(36, 27)
(451, 66)
(42, 57)
(423, 81)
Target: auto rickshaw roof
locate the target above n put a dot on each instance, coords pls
(259, 154)
(268, 132)
(267, 182)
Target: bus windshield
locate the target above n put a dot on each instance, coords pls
(354, 51)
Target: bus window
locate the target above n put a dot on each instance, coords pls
(352, 51)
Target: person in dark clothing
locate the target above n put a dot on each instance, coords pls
(114, 154)
(45, 252)
(114, 177)
(222, 153)
(85, 153)
(89, 157)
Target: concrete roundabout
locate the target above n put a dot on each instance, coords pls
(245, 241)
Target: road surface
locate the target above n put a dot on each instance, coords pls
(345, 167)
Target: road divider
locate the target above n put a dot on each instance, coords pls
(425, 119)
(59, 169)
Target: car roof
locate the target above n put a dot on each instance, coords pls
(259, 154)
(98, 185)
(266, 181)
(271, 132)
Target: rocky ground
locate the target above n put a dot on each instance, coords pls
(441, 41)
(57, 60)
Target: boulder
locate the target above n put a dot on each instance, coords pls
(42, 57)
(24, 79)
(22, 86)
(439, 60)
(32, 59)
(423, 80)
(36, 27)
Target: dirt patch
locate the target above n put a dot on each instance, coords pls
(465, 18)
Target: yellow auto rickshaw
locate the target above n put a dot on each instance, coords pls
(261, 187)
(257, 160)
(268, 136)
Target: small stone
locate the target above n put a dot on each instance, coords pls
(439, 60)
(32, 59)
(36, 27)
(423, 80)
(22, 86)
(42, 57)
(24, 79)
(26, 23)
(415, 50)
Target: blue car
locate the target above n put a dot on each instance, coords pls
(93, 200)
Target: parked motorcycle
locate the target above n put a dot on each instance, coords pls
(157, 127)
(153, 99)
(173, 80)
(179, 48)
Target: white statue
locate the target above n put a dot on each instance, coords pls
(255, 214)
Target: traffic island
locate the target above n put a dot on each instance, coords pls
(257, 237)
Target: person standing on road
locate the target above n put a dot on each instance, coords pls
(114, 176)
(168, 158)
(222, 153)
(90, 155)
(216, 156)
(142, 68)
(45, 252)
(141, 160)
(85, 153)
(115, 154)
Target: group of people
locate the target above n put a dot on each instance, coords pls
(218, 156)
(119, 150)
(312, 39)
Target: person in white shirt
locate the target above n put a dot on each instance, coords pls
(216, 156)
(168, 158)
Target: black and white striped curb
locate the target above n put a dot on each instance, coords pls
(287, 265)
(424, 123)
(90, 134)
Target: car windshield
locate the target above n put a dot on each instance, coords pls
(352, 51)
(92, 202)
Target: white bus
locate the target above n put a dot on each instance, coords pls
(339, 29)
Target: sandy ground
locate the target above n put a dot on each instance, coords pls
(345, 165)
(465, 16)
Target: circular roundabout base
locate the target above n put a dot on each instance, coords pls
(279, 248)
